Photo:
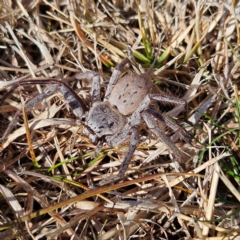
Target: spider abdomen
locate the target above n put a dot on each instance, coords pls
(128, 93)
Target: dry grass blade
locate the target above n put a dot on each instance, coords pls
(28, 135)
(184, 187)
(12, 201)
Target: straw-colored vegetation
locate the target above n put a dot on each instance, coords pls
(49, 173)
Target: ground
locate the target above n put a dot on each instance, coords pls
(49, 169)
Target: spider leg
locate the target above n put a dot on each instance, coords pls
(171, 99)
(148, 118)
(114, 78)
(172, 125)
(95, 93)
(74, 101)
(132, 147)
(28, 106)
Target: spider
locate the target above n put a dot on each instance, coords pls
(115, 120)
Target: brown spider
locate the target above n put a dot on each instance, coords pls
(125, 106)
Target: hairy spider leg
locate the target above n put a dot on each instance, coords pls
(143, 111)
(151, 123)
(148, 115)
(114, 78)
(131, 149)
(74, 101)
(95, 90)
(172, 100)
(176, 128)
(28, 106)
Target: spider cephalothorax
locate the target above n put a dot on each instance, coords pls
(116, 119)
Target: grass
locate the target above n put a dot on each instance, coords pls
(49, 173)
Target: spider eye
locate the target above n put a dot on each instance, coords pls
(111, 124)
